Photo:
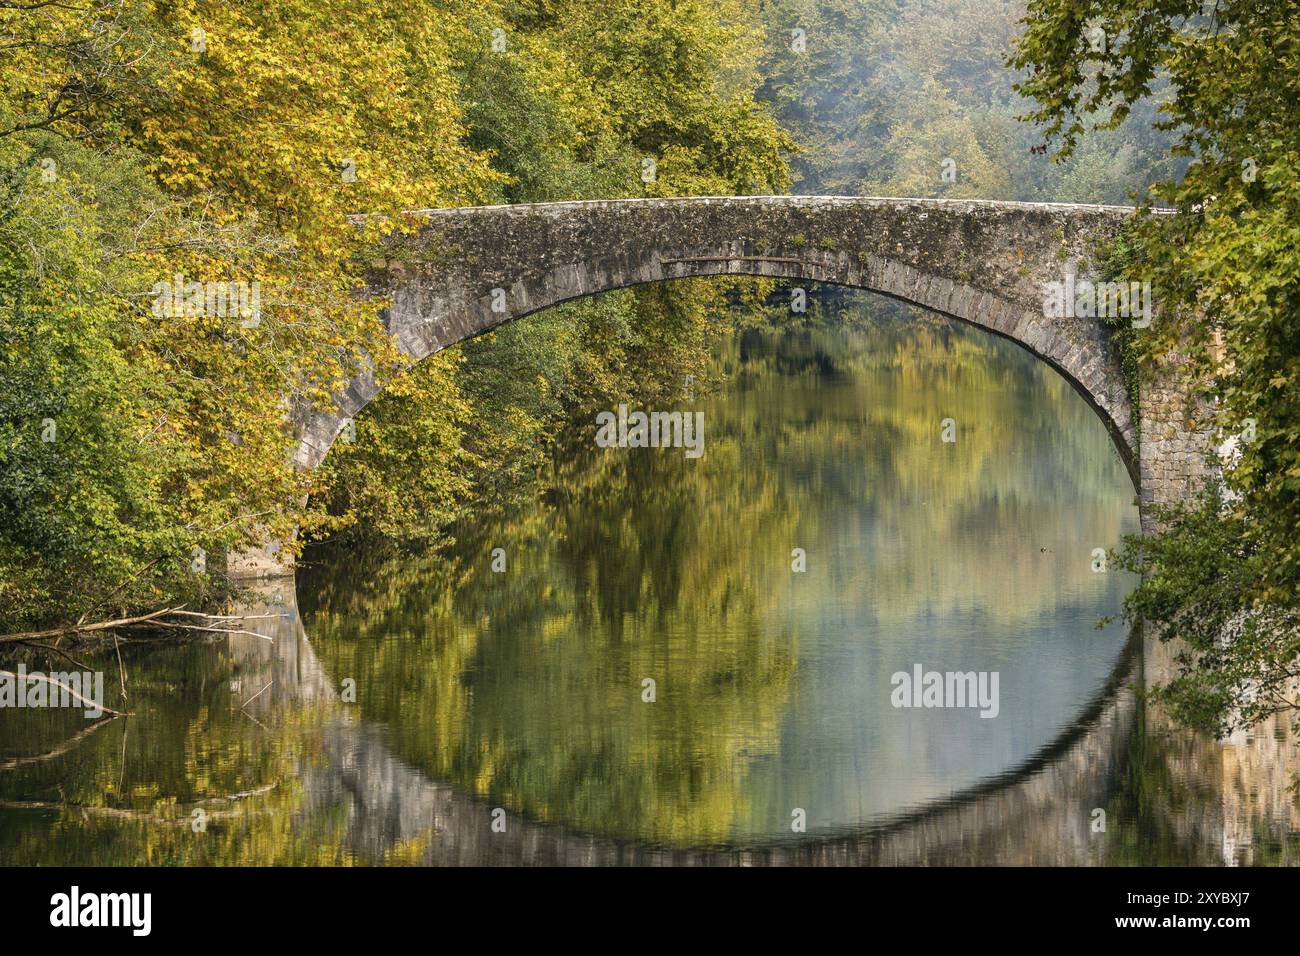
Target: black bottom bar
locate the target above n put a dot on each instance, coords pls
(984, 906)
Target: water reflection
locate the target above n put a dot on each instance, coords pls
(773, 686)
(523, 689)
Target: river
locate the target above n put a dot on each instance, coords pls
(668, 658)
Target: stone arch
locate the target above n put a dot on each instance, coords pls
(983, 263)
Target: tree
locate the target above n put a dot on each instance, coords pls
(573, 107)
(1226, 269)
(203, 147)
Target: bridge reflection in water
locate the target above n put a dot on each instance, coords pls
(516, 688)
(1216, 799)
(286, 772)
(471, 683)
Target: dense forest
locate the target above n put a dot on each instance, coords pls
(149, 143)
(230, 143)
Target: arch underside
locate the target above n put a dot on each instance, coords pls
(430, 313)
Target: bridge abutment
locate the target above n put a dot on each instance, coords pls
(1177, 438)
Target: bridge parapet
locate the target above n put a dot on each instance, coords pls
(469, 270)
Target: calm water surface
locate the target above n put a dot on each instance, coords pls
(405, 699)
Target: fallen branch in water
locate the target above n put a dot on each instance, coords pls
(61, 749)
(121, 668)
(212, 630)
(226, 617)
(57, 650)
(90, 704)
(215, 624)
(180, 815)
(86, 628)
(119, 813)
(257, 695)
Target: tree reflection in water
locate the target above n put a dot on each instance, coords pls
(522, 689)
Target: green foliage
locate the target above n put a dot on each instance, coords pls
(1225, 268)
(232, 142)
(1118, 266)
(1200, 584)
(83, 488)
(591, 92)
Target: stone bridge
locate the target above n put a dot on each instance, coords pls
(988, 263)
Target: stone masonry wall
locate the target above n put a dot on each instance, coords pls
(1175, 437)
(470, 270)
(467, 271)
